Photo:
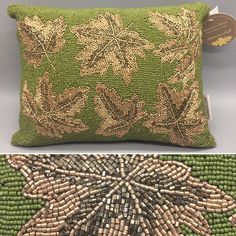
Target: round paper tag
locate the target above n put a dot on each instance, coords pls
(219, 30)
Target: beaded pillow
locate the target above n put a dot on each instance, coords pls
(112, 75)
(128, 195)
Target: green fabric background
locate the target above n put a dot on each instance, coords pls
(219, 170)
(144, 82)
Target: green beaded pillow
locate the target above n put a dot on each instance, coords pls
(112, 75)
(123, 195)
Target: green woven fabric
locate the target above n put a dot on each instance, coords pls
(215, 171)
(102, 75)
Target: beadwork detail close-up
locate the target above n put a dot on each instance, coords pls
(119, 195)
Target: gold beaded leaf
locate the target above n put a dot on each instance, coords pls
(108, 43)
(232, 220)
(183, 45)
(54, 114)
(118, 114)
(126, 195)
(41, 39)
(177, 116)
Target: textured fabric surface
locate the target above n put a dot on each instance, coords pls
(111, 75)
(117, 195)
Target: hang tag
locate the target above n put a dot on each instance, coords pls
(208, 106)
(214, 11)
(218, 28)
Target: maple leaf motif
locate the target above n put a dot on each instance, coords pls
(118, 114)
(92, 195)
(177, 116)
(184, 44)
(41, 39)
(54, 114)
(107, 42)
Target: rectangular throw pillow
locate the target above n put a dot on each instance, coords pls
(112, 75)
(117, 195)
